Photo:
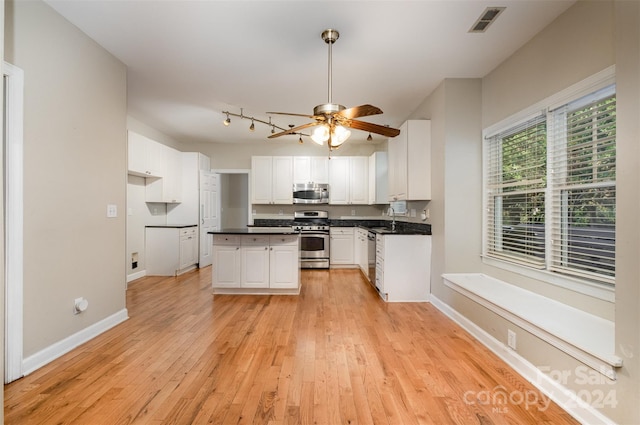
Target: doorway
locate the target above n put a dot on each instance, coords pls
(234, 199)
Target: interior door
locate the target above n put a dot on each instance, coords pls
(209, 213)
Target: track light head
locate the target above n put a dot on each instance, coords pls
(252, 127)
(227, 121)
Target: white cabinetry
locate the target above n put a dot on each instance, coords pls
(341, 252)
(256, 264)
(360, 250)
(159, 164)
(227, 261)
(170, 251)
(144, 157)
(410, 162)
(403, 267)
(310, 169)
(188, 247)
(378, 179)
(168, 188)
(271, 180)
(349, 180)
(284, 268)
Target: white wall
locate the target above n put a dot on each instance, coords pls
(74, 165)
(564, 53)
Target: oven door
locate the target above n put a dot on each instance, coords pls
(314, 250)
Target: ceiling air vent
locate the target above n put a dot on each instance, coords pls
(486, 18)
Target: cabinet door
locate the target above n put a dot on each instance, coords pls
(261, 179)
(255, 266)
(341, 246)
(282, 180)
(359, 180)
(339, 180)
(226, 266)
(301, 169)
(319, 169)
(284, 269)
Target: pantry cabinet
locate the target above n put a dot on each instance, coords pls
(272, 180)
(409, 156)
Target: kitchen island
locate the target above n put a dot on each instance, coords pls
(256, 260)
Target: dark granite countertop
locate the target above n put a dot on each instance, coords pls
(254, 231)
(377, 226)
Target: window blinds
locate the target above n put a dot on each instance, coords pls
(550, 190)
(582, 205)
(515, 193)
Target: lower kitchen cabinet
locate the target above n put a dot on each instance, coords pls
(341, 251)
(227, 261)
(403, 267)
(256, 264)
(170, 250)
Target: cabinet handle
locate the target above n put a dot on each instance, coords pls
(237, 248)
(265, 248)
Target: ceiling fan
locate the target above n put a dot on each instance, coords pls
(333, 120)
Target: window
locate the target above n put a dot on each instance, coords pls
(550, 188)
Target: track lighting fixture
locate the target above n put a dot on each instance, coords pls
(252, 127)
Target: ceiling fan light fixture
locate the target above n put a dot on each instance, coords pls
(339, 135)
(320, 134)
(369, 138)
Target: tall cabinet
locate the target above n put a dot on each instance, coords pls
(409, 156)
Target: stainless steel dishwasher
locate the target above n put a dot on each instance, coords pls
(371, 257)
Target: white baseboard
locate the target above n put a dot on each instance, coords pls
(62, 347)
(136, 275)
(561, 395)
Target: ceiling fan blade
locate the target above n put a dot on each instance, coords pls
(293, 130)
(359, 111)
(292, 114)
(372, 128)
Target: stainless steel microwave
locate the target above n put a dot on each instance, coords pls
(310, 193)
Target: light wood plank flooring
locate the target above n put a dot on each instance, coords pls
(336, 354)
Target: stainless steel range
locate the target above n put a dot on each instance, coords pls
(314, 238)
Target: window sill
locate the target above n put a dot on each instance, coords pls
(586, 337)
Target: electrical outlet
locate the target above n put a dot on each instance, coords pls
(511, 339)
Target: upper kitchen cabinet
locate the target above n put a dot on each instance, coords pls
(310, 169)
(167, 189)
(349, 180)
(144, 156)
(378, 178)
(409, 156)
(272, 180)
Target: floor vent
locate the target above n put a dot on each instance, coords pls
(486, 19)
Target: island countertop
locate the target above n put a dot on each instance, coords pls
(283, 230)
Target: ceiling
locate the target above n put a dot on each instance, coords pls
(190, 60)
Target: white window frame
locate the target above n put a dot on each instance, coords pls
(583, 88)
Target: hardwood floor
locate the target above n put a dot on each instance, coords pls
(336, 354)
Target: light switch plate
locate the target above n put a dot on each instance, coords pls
(112, 210)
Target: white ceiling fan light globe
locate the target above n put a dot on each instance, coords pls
(320, 134)
(340, 135)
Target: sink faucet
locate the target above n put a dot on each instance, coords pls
(393, 219)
